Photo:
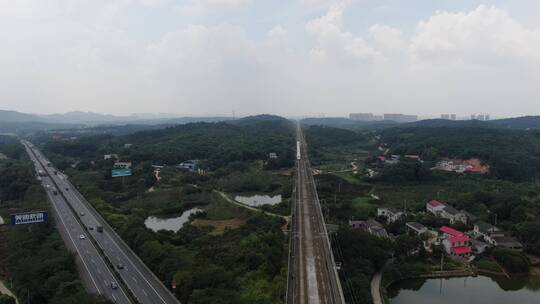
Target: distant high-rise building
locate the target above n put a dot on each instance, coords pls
(449, 116)
(481, 117)
(401, 118)
(361, 116)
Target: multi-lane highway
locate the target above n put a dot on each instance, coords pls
(93, 268)
(313, 278)
(143, 285)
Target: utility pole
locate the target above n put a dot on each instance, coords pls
(442, 261)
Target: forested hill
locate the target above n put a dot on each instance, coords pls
(345, 123)
(216, 144)
(513, 154)
(525, 122)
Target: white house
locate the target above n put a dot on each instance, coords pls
(435, 207)
(484, 229)
(391, 214)
(453, 215)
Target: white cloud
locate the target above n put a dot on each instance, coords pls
(199, 7)
(387, 37)
(71, 55)
(483, 36)
(336, 44)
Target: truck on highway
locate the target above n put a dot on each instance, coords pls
(99, 228)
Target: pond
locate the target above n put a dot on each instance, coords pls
(470, 290)
(169, 223)
(258, 200)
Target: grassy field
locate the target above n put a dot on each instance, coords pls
(489, 265)
(364, 206)
(219, 226)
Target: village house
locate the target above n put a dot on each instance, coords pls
(188, 165)
(502, 239)
(415, 227)
(483, 229)
(110, 156)
(448, 212)
(473, 165)
(453, 215)
(372, 226)
(391, 214)
(455, 242)
(435, 207)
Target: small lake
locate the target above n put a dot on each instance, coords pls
(470, 290)
(258, 200)
(169, 223)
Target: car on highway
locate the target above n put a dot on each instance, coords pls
(90, 228)
(67, 189)
(82, 237)
(81, 213)
(114, 285)
(120, 266)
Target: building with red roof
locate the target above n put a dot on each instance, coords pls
(455, 242)
(435, 207)
(449, 232)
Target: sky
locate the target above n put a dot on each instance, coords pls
(286, 57)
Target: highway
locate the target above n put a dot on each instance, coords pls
(94, 270)
(140, 281)
(313, 277)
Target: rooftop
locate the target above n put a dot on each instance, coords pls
(415, 225)
(450, 231)
(451, 210)
(436, 203)
(461, 249)
(461, 238)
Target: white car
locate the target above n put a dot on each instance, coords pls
(82, 237)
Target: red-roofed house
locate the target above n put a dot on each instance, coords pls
(455, 242)
(435, 207)
(449, 232)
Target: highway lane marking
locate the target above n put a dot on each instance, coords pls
(76, 248)
(134, 279)
(144, 292)
(120, 250)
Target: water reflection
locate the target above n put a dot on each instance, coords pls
(258, 200)
(470, 290)
(169, 223)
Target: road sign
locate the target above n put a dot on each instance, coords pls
(29, 218)
(120, 172)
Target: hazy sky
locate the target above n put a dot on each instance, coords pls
(288, 57)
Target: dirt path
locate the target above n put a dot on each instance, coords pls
(6, 291)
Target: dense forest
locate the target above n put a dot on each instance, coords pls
(215, 144)
(228, 254)
(512, 154)
(33, 258)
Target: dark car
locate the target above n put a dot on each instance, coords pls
(120, 266)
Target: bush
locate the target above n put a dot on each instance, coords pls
(511, 260)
